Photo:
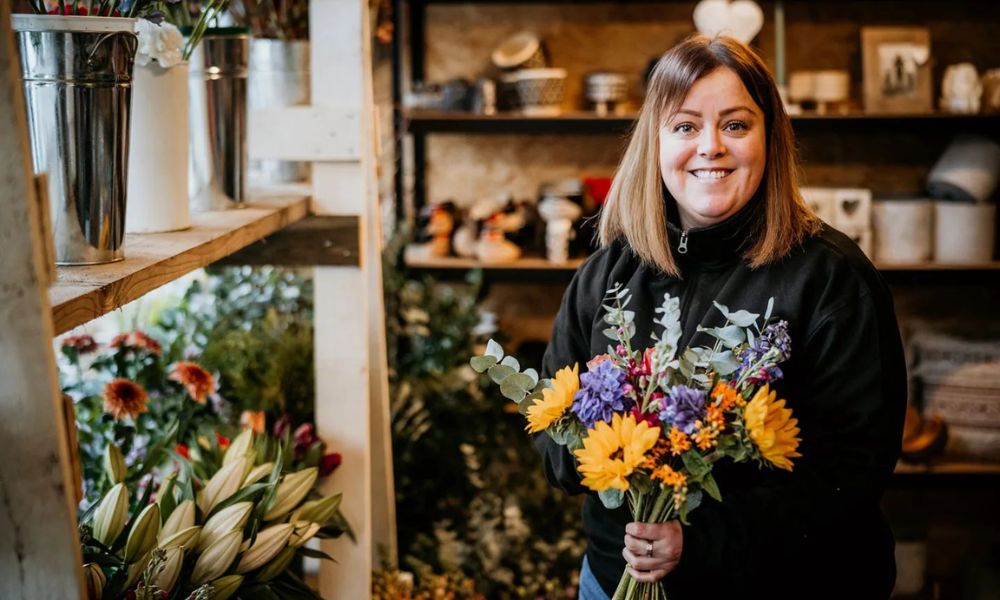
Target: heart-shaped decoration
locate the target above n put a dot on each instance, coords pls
(741, 19)
(849, 207)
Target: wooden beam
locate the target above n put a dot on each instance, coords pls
(39, 548)
(81, 294)
(330, 241)
(304, 133)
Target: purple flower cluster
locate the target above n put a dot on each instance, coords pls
(775, 344)
(682, 407)
(602, 393)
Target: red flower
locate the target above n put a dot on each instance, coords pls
(136, 340)
(222, 440)
(84, 344)
(183, 450)
(281, 426)
(649, 418)
(199, 382)
(304, 437)
(125, 398)
(329, 463)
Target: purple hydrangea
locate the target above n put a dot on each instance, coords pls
(682, 407)
(601, 394)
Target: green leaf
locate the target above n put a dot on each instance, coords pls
(695, 465)
(711, 487)
(311, 553)
(481, 363)
(693, 501)
(731, 335)
(611, 498)
(725, 363)
(521, 380)
(533, 374)
(512, 390)
(494, 349)
(500, 372)
(742, 318)
(770, 307)
(511, 362)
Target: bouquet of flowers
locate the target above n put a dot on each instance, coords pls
(648, 424)
(228, 523)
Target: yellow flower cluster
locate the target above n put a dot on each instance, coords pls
(679, 442)
(706, 437)
(612, 452)
(726, 397)
(772, 428)
(674, 479)
(555, 400)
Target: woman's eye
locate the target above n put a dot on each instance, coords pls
(735, 126)
(683, 128)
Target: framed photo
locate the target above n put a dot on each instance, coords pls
(897, 70)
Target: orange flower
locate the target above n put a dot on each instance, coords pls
(679, 442)
(195, 378)
(83, 343)
(708, 430)
(124, 398)
(255, 420)
(136, 339)
(597, 360)
(726, 396)
(669, 476)
(656, 454)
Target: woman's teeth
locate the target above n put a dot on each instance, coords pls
(710, 173)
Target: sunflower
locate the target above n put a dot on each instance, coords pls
(772, 428)
(555, 400)
(195, 378)
(124, 398)
(611, 453)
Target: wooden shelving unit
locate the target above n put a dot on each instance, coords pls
(81, 294)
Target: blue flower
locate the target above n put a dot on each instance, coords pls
(682, 407)
(601, 394)
(774, 346)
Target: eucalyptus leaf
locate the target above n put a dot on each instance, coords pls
(533, 374)
(770, 307)
(725, 363)
(522, 381)
(742, 318)
(511, 362)
(481, 363)
(612, 498)
(498, 373)
(494, 349)
(512, 391)
(731, 335)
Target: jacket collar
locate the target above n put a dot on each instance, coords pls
(715, 245)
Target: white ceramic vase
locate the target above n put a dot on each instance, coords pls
(158, 156)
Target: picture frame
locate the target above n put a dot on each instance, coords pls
(897, 70)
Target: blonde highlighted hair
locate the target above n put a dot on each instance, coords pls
(635, 209)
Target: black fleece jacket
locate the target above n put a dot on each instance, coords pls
(818, 531)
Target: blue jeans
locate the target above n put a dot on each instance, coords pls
(589, 588)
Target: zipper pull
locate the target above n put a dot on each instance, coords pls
(682, 247)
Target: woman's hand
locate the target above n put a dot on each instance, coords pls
(652, 549)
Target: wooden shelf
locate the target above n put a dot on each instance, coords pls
(947, 474)
(426, 121)
(81, 294)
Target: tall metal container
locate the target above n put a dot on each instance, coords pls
(279, 77)
(218, 114)
(77, 74)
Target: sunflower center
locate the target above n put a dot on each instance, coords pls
(618, 454)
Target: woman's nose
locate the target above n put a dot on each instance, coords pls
(710, 143)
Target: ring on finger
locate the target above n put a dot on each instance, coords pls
(649, 548)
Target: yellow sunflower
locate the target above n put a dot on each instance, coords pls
(611, 453)
(772, 428)
(555, 400)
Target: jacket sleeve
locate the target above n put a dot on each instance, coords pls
(850, 388)
(568, 344)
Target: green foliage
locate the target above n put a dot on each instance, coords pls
(471, 496)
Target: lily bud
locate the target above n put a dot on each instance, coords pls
(94, 576)
(304, 531)
(217, 558)
(188, 538)
(224, 587)
(167, 576)
(109, 519)
(277, 565)
(319, 511)
(291, 492)
(228, 519)
(182, 518)
(258, 473)
(136, 569)
(142, 538)
(114, 464)
(223, 484)
(240, 446)
(268, 544)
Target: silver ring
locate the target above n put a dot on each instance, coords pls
(649, 548)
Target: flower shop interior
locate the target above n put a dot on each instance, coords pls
(254, 255)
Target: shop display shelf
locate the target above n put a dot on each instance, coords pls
(82, 293)
(965, 473)
(427, 121)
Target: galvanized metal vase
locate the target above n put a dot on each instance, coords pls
(279, 76)
(218, 117)
(77, 74)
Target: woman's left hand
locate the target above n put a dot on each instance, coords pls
(652, 550)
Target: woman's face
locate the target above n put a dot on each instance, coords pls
(712, 152)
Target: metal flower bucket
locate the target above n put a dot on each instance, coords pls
(279, 76)
(218, 104)
(77, 74)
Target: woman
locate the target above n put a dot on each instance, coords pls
(705, 207)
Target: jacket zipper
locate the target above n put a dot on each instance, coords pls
(682, 247)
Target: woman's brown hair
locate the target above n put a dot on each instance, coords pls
(635, 208)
